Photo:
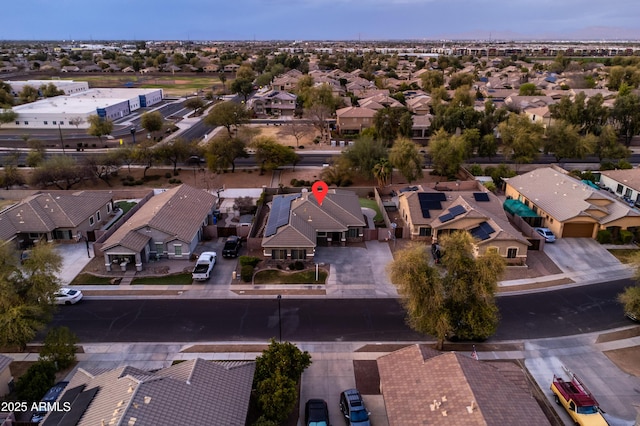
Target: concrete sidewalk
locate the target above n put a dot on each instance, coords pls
(332, 369)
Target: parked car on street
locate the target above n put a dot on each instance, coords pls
(67, 296)
(232, 247)
(316, 413)
(546, 234)
(353, 409)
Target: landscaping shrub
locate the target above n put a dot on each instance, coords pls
(298, 265)
(293, 182)
(36, 381)
(249, 260)
(475, 170)
(626, 236)
(59, 347)
(167, 175)
(604, 237)
(246, 273)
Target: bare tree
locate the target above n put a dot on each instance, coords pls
(76, 121)
(296, 129)
(319, 114)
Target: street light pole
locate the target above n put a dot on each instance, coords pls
(279, 318)
(133, 134)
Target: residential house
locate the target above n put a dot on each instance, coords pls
(419, 105)
(169, 225)
(421, 128)
(62, 216)
(297, 224)
(421, 386)
(231, 68)
(6, 380)
(521, 103)
(569, 207)
(380, 101)
(540, 115)
(624, 183)
(189, 393)
(273, 103)
(354, 119)
(285, 83)
(431, 214)
(211, 67)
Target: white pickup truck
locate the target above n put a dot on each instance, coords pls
(204, 265)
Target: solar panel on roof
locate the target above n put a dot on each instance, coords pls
(279, 215)
(78, 407)
(487, 228)
(478, 233)
(457, 210)
(426, 214)
(445, 217)
(433, 196)
(432, 204)
(481, 196)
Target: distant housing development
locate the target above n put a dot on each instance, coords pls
(57, 111)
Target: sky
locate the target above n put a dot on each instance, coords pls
(319, 19)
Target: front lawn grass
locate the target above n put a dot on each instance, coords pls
(175, 279)
(125, 206)
(274, 276)
(624, 255)
(89, 279)
(365, 202)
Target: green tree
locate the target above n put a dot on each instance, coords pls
(243, 83)
(431, 80)
(270, 154)
(227, 114)
(7, 116)
(364, 155)
(99, 127)
(529, 89)
(28, 94)
(626, 115)
(387, 123)
(152, 121)
(630, 298)
(461, 79)
(50, 90)
(277, 396)
(405, 157)
(448, 153)
(521, 138)
(6, 96)
(27, 292)
(223, 152)
(606, 145)
(382, 171)
(564, 141)
(59, 347)
(145, 154)
(37, 380)
(60, 171)
(194, 103)
(588, 115)
(174, 152)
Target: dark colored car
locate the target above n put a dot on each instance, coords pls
(316, 413)
(50, 397)
(232, 247)
(353, 409)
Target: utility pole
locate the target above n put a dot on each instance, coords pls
(61, 140)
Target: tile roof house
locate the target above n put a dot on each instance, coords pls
(354, 119)
(569, 207)
(189, 393)
(378, 102)
(297, 224)
(169, 224)
(431, 214)
(419, 105)
(624, 183)
(61, 216)
(273, 103)
(421, 386)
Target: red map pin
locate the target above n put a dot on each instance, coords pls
(320, 190)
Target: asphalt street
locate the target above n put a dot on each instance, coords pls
(549, 314)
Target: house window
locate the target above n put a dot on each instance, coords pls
(98, 216)
(177, 249)
(512, 252)
(26, 122)
(46, 122)
(61, 123)
(298, 254)
(619, 189)
(54, 123)
(108, 207)
(91, 221)
(34, 235)
(17, 123)
(425, 232)
(353, 233)
(278, 254)
(159, 249)
(627, 193)
(322, 234)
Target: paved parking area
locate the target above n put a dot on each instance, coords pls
(358, 271)
(223, 270)
(579, 254)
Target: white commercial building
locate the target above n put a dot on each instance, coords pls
(69, 87)
(58, 111)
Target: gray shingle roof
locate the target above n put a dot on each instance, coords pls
(189, 393)
(178, 212)
(45, 212)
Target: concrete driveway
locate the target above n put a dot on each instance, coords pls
(224, 268)
(579, 255)
(358, 271)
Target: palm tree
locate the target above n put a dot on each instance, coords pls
(382, 171)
